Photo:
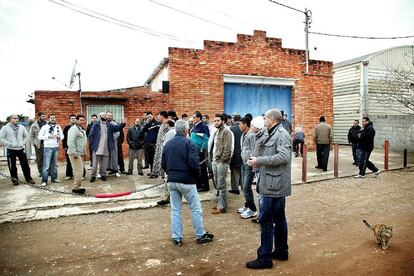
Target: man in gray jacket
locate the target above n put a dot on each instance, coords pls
(274, 162)
(76, 150)
(34, 140)
(14, 137)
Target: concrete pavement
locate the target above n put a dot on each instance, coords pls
(26, 203)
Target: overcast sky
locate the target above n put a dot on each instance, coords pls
(41, 39)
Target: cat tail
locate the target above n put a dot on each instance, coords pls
(367, 224)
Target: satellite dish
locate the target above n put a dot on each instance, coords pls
(73, 75)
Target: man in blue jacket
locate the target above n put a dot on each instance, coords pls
(102, 142)
(181, 163)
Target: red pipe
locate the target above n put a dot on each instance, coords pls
(336, 159)
(386, 155)
(112, 195)
(304, 162)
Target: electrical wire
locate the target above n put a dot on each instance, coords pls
(109, 19)
(363, 37)
(193, 16)
(286, 6)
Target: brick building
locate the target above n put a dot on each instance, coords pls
(253, 74)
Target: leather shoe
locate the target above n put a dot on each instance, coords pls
(93, 179)
(140, 173)
(218, 211)
(236, 192)
(30, 181)
(278, 255)
(259, 264)
(163, 202)
(153, 176)
(15, 181)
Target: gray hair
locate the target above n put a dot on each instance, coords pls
(181, 126)
(274, 114)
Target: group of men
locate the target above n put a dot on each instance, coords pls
(189, 152)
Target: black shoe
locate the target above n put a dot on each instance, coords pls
(123, 172)
(317, 167)
(259, 264)
(93, 179)
(325, 170)
(282, 256)
(15, 181)
(178, 242)
(236, 192)
(354, 163)
(128, 173)
(103, 178)
(163, 202)
(153, 176)
(141, 173)
(206, 238)
(255, 220)
(296, 155)
(146, 167)
(30, 181)
(148, 174)
(79, 191)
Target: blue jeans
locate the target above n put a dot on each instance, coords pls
(322, 155)
(189, 191)
(247, 180)
(50, 156)
(364, 162)
(273, 226)
(355, 153)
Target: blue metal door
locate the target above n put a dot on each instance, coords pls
(256, 99)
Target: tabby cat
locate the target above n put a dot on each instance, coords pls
(382, 233)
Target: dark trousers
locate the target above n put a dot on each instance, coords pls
(39, 158)
(146, 164)
(121, 162)
(69, 169)
(364, 162)
(273, 226)
(149, 153)
(11, 162)
(355, 153)
(90, 155)
(247, 180)
(296, 143)
(322, 155)
(202, 181)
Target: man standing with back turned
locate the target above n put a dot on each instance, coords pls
(322, 137)
(274, 163)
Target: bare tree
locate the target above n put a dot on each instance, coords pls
(395, 88)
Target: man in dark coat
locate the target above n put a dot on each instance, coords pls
(366, 145)
(353, 140)
(151, 129)
(236, 160)
(135, 139)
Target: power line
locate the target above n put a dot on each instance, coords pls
(109, 19)
(363, 37)
(191, 15)
(286, 6)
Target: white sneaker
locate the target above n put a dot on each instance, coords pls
(359, 176)
(375, 174)
(117, 174)
(68, 177)
(241, 210)
(248, 214)
(43, 184)
(98, 176)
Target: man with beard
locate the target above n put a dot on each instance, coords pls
(150, 129)
(94, 119)
(34, 140)
(221, 155)
(69, 170)
(102, 143)
(115, 162)
(51, 134)
(135, 139)
(199, 136)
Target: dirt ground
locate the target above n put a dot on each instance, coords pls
(326, 236)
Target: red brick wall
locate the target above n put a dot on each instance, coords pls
(196, 81)
(64, 103)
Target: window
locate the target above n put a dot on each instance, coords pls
(117, 111)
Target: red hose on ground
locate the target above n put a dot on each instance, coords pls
(112, 195)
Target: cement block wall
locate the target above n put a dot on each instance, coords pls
(398, 129)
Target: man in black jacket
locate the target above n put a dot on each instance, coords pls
(151, 129)
(366, 145)
(353, 140)
(180, 161)
(94, 118)
(236, 160)
(135, 139)
(69, 170)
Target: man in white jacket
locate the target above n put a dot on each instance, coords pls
(14, 137)
(51, 134)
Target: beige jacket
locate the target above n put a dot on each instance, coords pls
(322, 134)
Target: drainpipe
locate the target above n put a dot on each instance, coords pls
(365, 83)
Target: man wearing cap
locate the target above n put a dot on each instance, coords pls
(274, 162)
(14, 137)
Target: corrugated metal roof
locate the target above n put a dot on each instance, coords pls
(154, 73)
(364, 57)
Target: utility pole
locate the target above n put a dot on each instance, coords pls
(308, 21)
